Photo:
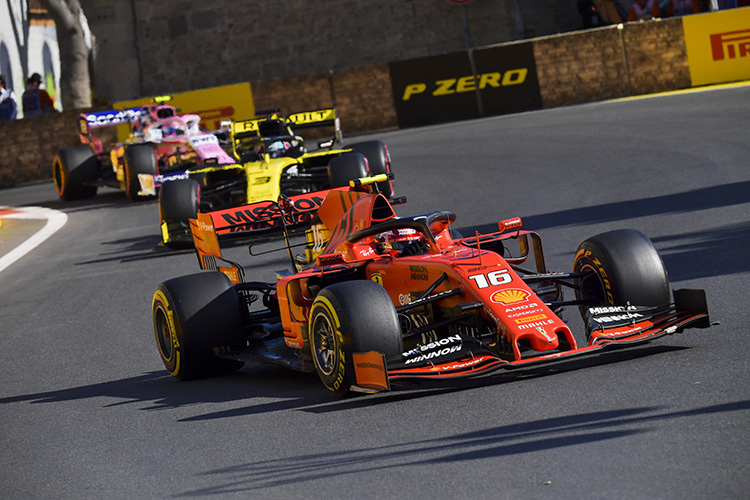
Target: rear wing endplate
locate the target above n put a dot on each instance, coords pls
(208, 250)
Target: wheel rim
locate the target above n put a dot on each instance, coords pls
(325, 344)
(592, 286)
(164, 335)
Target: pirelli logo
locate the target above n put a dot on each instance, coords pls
(467, 83)
(730, 45)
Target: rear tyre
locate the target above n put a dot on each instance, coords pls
(139, 159)
(71, 169)
(194, 315)
(379, 161)
(346, 167)
(627, 270)
(349, 317)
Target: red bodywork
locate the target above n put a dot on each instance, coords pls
(510, 317)
(466, 306)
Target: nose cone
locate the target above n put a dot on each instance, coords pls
(540, 338)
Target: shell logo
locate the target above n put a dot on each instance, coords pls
(510, 296)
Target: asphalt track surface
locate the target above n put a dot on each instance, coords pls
(88, 411)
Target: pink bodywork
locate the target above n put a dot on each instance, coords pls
(182, 133)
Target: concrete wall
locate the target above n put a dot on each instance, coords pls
(577, 67)
(362, 96)
(30, 144)
(641, 58)
(657, 56)
(153, 48)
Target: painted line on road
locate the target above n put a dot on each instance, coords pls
(692, 90)
(55, 221)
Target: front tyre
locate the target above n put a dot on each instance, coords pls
(179, 201)
(194, 315)
(139, 159)
(345, 167)
(72, 168)
(626, 269)
(379, 162)
(347, 318)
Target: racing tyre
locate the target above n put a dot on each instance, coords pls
(349, 317)
(72, 168)
(139, 159)
(193, 316)
(379, 161)
(626, 267)
(346, 167)
(179, 201)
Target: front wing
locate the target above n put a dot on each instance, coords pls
(453, 358)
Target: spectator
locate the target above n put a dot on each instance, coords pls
(596, 13)
(683, 7)
(589, 14)
(643, 10)
(35, 100)
(608, 11)
(8, 106)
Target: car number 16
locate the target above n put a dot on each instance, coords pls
(495, 278)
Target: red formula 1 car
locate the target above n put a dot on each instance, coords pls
(390, 299)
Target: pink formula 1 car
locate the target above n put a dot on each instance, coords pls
(160, 142)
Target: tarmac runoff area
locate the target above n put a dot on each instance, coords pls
(23, 229)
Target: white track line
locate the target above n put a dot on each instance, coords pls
(55, 220)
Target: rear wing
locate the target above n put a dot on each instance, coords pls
(101, 119)
(319, 118)
(274, 124)
(265, 216)
(283, 216)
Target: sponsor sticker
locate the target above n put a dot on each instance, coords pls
(510, 296)
(718, 46)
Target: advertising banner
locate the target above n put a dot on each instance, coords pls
(718, 46)
(433, 89)
(444, 88)
(507, 79)
(213, 105)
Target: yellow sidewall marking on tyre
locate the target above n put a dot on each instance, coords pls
(164, 303)
(58, 166)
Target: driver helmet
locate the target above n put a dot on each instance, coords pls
(170, 130)
(151, 113)
(396, 240)
(278, 148)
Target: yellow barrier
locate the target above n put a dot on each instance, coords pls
(718, 46)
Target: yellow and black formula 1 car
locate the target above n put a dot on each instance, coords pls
(272, 160)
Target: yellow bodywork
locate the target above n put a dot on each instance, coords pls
(264, 176)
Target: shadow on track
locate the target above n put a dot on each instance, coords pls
(533, 436)
(687, 256)
(299, 391)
